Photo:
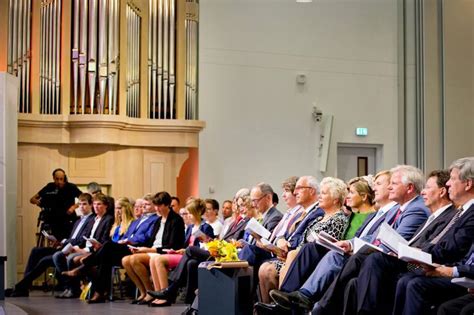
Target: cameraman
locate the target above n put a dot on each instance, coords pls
(57, 204)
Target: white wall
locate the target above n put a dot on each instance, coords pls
(459, 81)
(8, 172)
(259, 125)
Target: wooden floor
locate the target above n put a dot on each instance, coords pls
(40, 303)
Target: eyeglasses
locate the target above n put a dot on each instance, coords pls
(255, 201)
(303, 187)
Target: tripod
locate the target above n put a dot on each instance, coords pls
(41, 241)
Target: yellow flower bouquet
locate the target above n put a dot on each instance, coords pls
(222, 250)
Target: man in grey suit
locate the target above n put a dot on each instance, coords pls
(261, 196)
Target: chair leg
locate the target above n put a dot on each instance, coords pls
(111, 291)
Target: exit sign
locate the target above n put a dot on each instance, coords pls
(362, 132)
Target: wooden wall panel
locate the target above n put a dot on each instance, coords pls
(86, 164)
(129, 171)
(20, 244)
(19, 195)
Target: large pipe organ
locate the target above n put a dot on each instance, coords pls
(78, 57)
(108, 91)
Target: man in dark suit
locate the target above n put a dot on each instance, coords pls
(99, 230)
(451, 245)
(313, 270)
(372, 292)
(261, 196)
(288, 233)
(42, 257)
(417, 293)
(405, 186)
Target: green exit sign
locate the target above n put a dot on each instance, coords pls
(362, 132)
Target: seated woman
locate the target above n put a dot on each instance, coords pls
(361, 201)
(123, 217)
(195, 236)
(334, 222)
(169, 234)
(185, 273)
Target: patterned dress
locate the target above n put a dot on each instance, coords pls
(335, 226)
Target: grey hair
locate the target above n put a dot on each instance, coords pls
(465, 167)
(242, 192)
(94, 187)
(410, 175)
(265, 188)
(312, 182)
(337, 188)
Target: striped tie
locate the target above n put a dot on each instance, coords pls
(448, 226)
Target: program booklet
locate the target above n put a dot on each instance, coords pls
(92, 240)
(414, 255)
(272, 248)
(256, 228)
(364, 247)
(326, 240)
(202, 236)
(390, 238)
(67, 249)
(49, 236)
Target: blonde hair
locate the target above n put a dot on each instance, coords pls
(363, 188)
(196, 208)
(126, 217)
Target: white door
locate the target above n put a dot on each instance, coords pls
(355, 161)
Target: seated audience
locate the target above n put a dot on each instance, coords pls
(185, 274)
(110, 254)
(42, 257)
(334, 222)
(226, 211)
(175, 204)
(196, 234)
(212, 210)
(405, 186)
(168, 235)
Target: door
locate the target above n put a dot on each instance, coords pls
(353, 161)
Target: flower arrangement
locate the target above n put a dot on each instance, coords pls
(222, 250)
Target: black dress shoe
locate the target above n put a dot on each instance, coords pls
(136, 301)
(167, 303)
(16, 293)
(96, 301)
(291, 300)
(96, 298)
(164, 294)
(144, 302)
(264, 309)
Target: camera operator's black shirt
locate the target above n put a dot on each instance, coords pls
(58, 200)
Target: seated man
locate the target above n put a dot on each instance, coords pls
(417, 293)
(42, 257)
(306, 196)
(109, 254)
(312, 271)
(212, 210)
